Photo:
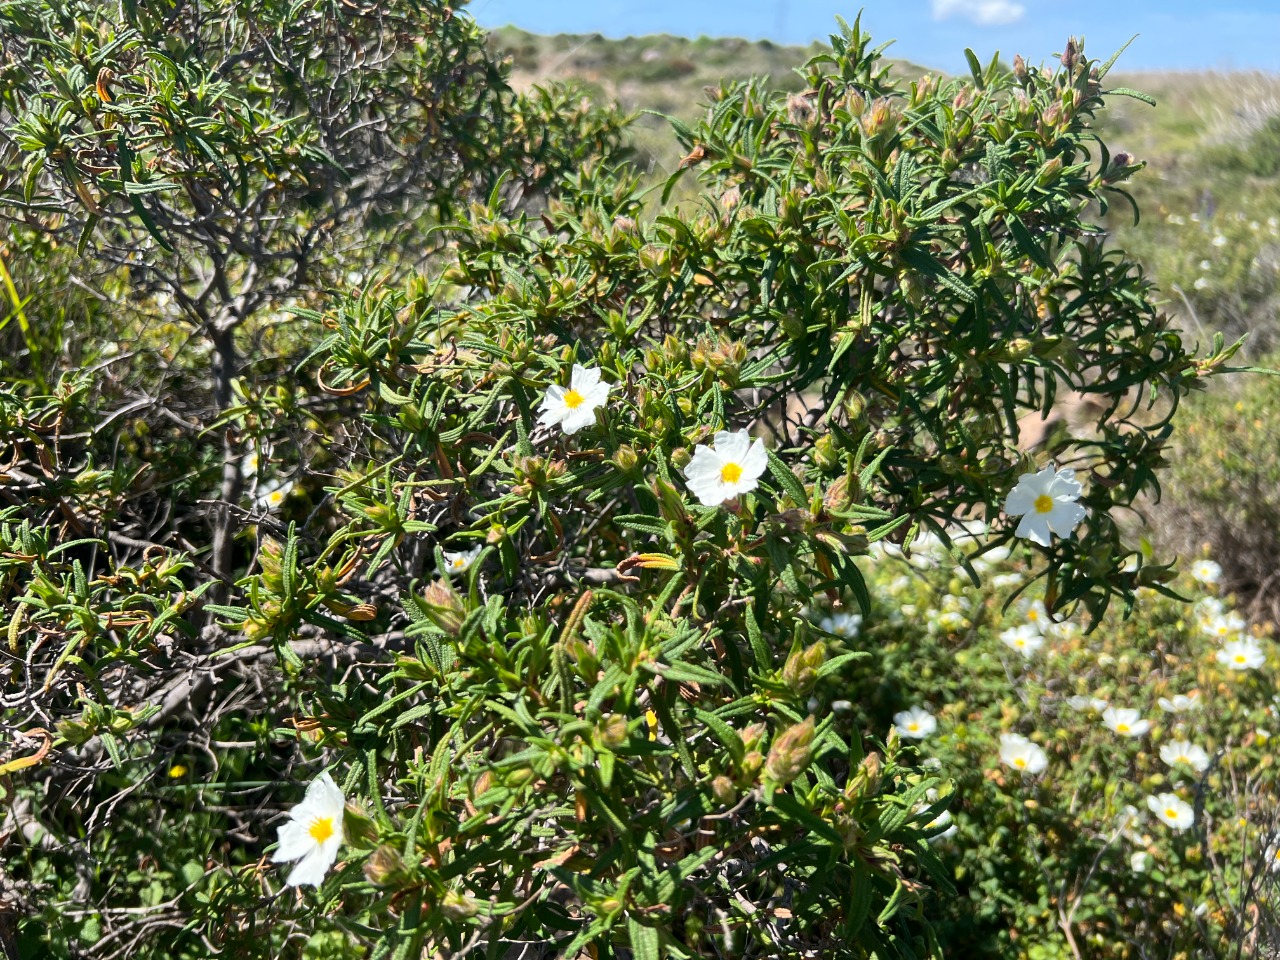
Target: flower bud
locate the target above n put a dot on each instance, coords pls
(457, 906)
(1050, 171)
(791, 753)
(626, 459)
(384, 868)
(801, 670)
(358, 827)
(1019, 68)
(611, 731)
(723, 790)
(444, 607)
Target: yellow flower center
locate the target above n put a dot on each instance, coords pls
(573, 399)
(1240, 658)
(730, 473)
(1019, 643)
(1044, 503)
(1122, 728)
(913, 727)
(459, 563)
(177, 770)
(1020, 762)
(321, 829)
(1171, 813)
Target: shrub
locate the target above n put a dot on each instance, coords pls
(576, 700)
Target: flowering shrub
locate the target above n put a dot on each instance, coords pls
(1113, 792)
(559, 593)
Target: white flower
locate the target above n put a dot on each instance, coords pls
(1173, 810)
(1206, 571)
(844, 625)
(461, 561)
(1202, 283)
(1096, 704)
(1138, 861)
(915, 723)
(1125, 721)
(1242, 654)
(841, 706)
(1179, 703)
(1224, 626)
(575, 407)
(1002, 580)
(1035, 613)
(313, 834)
(1206, 265)
(1176, 220)
(1046, 501)
(1273, 856)
(1180, 751)
(272, 494)
(943, 819)
(1020, 753)
(1025, 639)
(950, 620)
(732, 467)
(1219, 240)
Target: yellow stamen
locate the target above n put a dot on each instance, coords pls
(1122, 728)
(730, 473)
(321, 829)
(573, 399)
(1020, 762)
(1044, 503)
(1171, 813)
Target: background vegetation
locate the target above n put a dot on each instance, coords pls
(285, 284)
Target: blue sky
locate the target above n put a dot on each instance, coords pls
(1173, 34)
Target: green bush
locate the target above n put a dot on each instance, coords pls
(554, 643)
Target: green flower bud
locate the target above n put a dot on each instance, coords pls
(384, 868)
(791, 753)
(457, 906)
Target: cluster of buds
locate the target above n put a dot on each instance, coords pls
(535, 473)
(722, 358)
(800, 672)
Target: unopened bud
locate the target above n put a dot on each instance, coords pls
(723, 790)
(791, 753)
(611, 731)
(456, 906)
(444, 607)
(801, 670)
(384, 868)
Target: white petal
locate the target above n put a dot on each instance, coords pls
(733, 446)
(709, 490)
(325, 791)
(294, 842)
(1064, 516)
(1035, 528)
(705, 463)
(311, 869)
(1021, 500)
(584, 378)
(756, 460)
(575, 420)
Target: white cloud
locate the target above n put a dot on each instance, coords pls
(989, 13)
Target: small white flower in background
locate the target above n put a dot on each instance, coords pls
(1035, 613)
(729, 468)
(575, 407)
(461, 560)
(931, 763)
(1002, 580)
(1206, 264)
(841, 706)
(950, 620)
(1179, 702)
(943, 819)
(1125, 721)
(1219, 240)
(844, 625)
(1195, 218)
(272, 494)
(1025, 639)
(915, 723)
(1181, 751)
(1138, 861)
(1096, 704)
(1202, 283)
(1020, 753)
(1224, 626)
(1243, 654)
(1176, 220)
(1272, 861)
(1046, 501)
(1172, 809)
(313, 834)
